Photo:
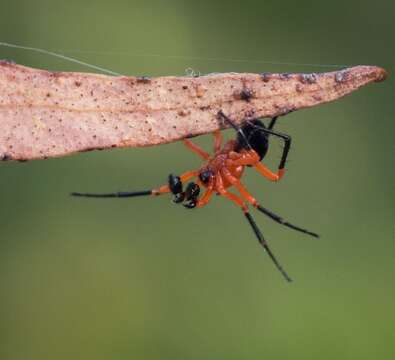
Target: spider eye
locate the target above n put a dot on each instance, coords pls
(205, 176)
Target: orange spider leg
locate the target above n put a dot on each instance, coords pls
(247, 196)
(249, 157)
(189, 174)
(196, 149)
(233, 155)
(232, 197)
(239, 186)
(217, 140)
(207, 195)
(267, 173)
(258, 234)
(184, 177)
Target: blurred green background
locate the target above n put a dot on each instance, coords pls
(145, 279)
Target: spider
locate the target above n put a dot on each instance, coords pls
(223, 170)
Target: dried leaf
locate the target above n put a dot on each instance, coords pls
(47, 114)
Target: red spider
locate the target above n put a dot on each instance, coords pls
(223, 170)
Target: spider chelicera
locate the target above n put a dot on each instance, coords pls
(223, 170)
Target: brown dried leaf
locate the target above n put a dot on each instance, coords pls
(46, 114)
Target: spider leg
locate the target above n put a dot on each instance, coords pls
(284, 137)
(281, 221)
(220, 188)
(287, 145)
(265, 245)
(275, 176)
(249, 157)
(217, 141)
(239, 186)
(261, 168)
(191, 195)
(247, 196)
(184, 177)
(267, 173)
(234, 126)
(196, 149)
(122, 194)
(272, 122)
(207, 195)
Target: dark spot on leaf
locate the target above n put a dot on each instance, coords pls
(190, 136)
(341, 76)
(266, 76)
(308, 78)
(7, 62)
(143, 80)
(246, 95)
(285, 76)
(5, 157)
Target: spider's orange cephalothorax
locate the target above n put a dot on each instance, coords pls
(223, 159)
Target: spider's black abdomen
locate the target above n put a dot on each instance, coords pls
(257, 139)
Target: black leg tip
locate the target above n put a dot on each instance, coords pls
(190, 205)
(314, 235)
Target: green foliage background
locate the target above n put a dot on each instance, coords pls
(144, 279)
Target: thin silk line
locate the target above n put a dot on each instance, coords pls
(46, 52)
(120, 53)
